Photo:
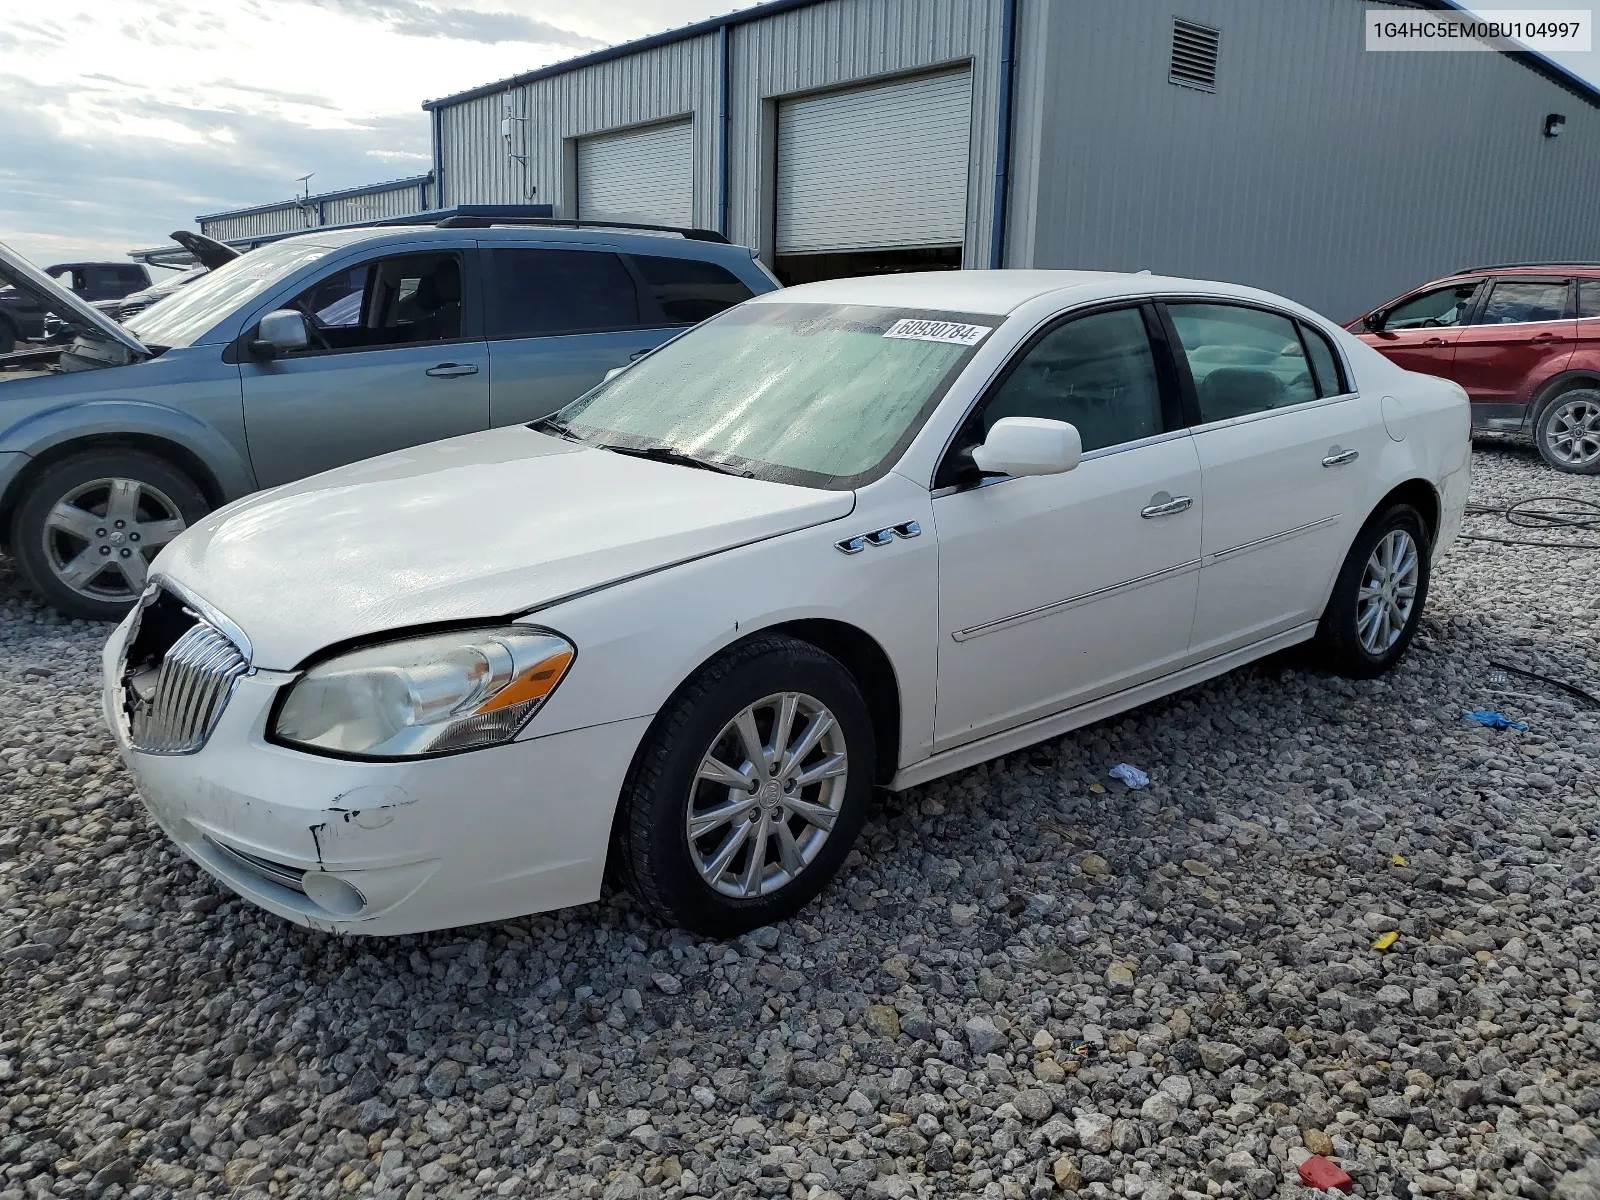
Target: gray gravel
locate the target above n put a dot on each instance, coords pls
(1031, 981)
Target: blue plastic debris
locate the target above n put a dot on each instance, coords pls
(1493, 720)
(1131, 776)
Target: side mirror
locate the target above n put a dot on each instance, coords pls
(1029, 446)
(280, 332)
(1373, 321)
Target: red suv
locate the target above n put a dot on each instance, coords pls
(1522, 338)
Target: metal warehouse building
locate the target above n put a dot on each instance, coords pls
(395, 198)
(1247, 140)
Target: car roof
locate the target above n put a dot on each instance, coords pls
(996, 293)
(1585, 270)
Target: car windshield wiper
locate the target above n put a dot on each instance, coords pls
(671, 454)
(551, 425)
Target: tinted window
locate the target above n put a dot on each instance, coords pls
(688, 290)
(1243, 360)
(541, 292)
(1589, 297)
(394, 301)
(1433, 310)
(1096, 372)
(1531, 300)
(1324, 363)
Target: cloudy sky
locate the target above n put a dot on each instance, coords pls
(124, 119)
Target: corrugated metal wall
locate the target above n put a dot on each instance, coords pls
(264, 220)
(398, 202)
(823, 46)
(1320, 170)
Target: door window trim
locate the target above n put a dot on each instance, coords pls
(1191, 396)
(1172, 415)
(1481, 301)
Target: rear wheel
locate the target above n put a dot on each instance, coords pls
(1377, 600)
(87, 528)
(1568, 432)
(749, 790)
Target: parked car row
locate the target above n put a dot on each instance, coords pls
(1523, 339)
(310, 353)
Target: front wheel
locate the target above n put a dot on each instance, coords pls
(749, 790)
(86, 530)
(1568, 432)
(1377, 600)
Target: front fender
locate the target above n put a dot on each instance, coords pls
(48, 429)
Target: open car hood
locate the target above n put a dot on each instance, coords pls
(208, 252)
(18, 272)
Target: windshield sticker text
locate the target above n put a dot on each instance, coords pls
(937, 331)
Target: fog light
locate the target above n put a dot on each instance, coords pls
(332, 894)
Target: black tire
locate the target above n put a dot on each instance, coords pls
(1567, 432)
(652, 852)
(8, 337)
(1339, 643)
(41, 551)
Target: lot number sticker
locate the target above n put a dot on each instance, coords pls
(937, 331)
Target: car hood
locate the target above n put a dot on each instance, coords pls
(483, 526)
(208, 252)
(21, 274)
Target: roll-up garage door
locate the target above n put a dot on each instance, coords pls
(875, 168)
(642, 175)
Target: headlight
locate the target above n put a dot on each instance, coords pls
(425, 695)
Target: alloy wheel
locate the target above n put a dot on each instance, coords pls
(768, 792)
(1388, 592)
(100, 537)
(1572, 432)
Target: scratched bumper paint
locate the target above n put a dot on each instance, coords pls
(523, 828)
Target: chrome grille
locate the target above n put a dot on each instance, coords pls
(192, 686)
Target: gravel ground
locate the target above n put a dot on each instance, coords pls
(1032, 981)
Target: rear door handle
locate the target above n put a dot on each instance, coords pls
(1547, 337)
(638, 354)
(1339, 458)
(1169, 507)
(1433, 341)
(451, 370)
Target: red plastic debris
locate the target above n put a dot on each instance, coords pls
(1318, 1172)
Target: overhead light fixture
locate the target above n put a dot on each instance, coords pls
(1553, 124)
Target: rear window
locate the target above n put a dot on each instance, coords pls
(540, 293)
(1324, 362)
(689, 290)
(1589, 297)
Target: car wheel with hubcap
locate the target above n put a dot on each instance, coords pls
(87, 529)
(748, 792)
(1378, 598)
(1568, 432)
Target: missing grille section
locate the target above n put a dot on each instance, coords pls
(1194, 55)
(161, 623)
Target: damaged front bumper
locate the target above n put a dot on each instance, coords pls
(385, 848)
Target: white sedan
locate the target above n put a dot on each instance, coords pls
(854, 534)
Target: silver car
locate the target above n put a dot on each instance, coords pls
(309, 353)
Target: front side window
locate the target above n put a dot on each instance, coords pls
(1436, 309)
(1243, 360)
(1095, 372)
(543, 293)
(822, 395)
(1517, 302)
(689, 290)
(391, 302)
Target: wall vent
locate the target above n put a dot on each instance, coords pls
(1194, 55)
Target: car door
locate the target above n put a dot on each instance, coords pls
(397, 358)
(1285, 444)
(1419, 332)
(1057, 589)
(1521, 335)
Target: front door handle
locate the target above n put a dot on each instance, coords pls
(1169, 507)
(451, 370)
(1547, 337)
(1339, 457)
(1433, 341)
(638, 354)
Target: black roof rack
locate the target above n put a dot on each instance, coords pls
(477, 222)
(1561, 262)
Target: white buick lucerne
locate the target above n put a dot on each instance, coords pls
(856, 533)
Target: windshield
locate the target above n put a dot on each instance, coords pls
(178, 319)
(823, 395)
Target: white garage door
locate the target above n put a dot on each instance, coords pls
(876, 168)
(644, 175)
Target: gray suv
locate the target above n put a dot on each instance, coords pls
(312, 352)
